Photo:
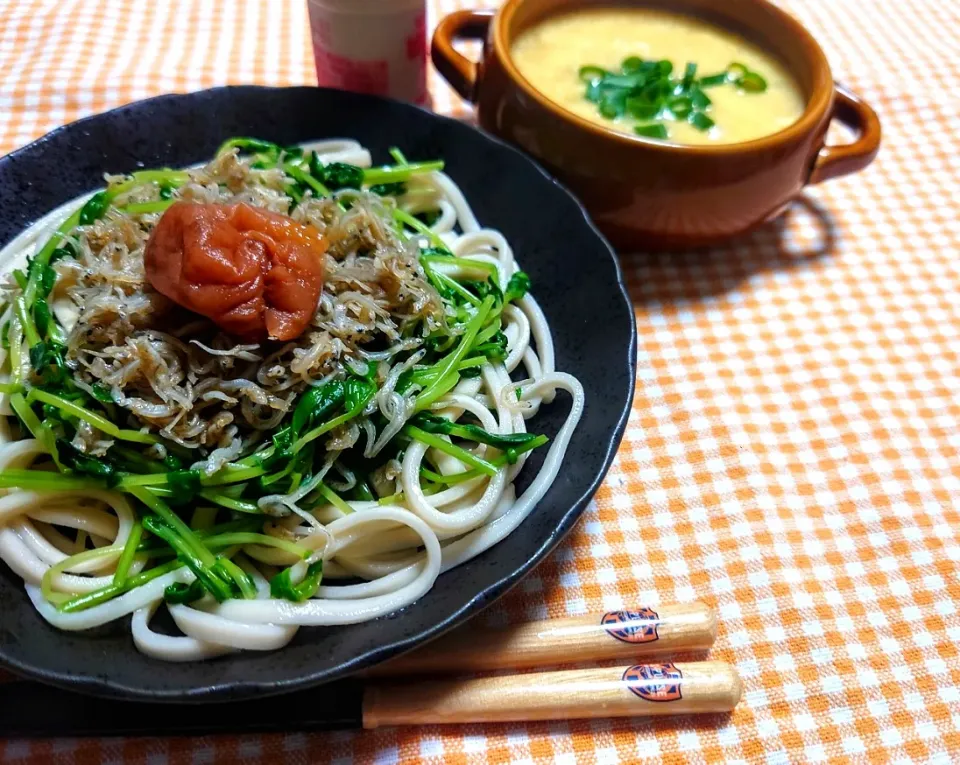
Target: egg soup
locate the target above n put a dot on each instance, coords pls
(658, 75)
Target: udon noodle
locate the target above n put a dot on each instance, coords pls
(150, 459)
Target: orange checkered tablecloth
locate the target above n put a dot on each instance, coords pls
(794, 451)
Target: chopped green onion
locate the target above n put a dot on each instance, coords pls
(680, 107)
(735, 71)
(652, 130)
(700, 121)
(649, 90)
(593, 92)
(640, 108)
(713, 80)
(699, 99)
(590, 72)
(621, 81)
(752, 82)
(613, 103)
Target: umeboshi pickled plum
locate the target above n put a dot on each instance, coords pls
(255, 273)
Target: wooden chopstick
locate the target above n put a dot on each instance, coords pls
(34, 710)
(629, 634)
(634, 691)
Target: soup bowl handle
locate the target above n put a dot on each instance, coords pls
(834, 161)
(457, 69)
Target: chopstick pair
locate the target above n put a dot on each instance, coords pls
(394, 693)
(634, 690)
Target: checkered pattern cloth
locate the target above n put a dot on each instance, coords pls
(793, 455)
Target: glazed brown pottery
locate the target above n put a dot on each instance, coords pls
(643, 193)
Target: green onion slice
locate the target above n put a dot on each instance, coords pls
(613, 103)
(752, 82)
(712, 80)
(589, 73)
(640, 108)
(680, 107)
(653, 130)
(699, 99)
(735, 71)
(700, 121)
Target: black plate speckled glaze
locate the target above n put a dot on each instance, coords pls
(576, 278)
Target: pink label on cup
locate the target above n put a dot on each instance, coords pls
(417, 51)
(350, 74)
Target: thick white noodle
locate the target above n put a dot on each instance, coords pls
(169, 647)
(399, 549)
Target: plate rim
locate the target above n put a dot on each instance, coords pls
(242, 689)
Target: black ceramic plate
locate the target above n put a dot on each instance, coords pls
(576, 279)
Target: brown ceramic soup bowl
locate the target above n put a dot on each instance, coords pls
(644, 193)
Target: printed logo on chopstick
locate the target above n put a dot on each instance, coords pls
(632, 626)
(654, 682)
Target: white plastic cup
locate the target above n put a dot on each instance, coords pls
(371, 46)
